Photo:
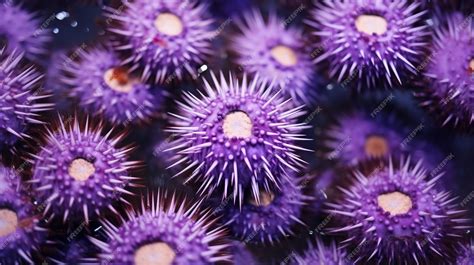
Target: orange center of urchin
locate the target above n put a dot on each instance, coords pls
(376, 146)
(169, 24)
(265, 198)
(158, 253)
(118, 79)
(395, 203)
(81, 169)
(471, 66)
(237, 124)
(8, 222)
(371, 24)
(284, 55)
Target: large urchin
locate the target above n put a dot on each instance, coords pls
(376, 42)
(165, 230)
(105, 88)
(321, 254)
(394, 216)
(237, 135)
(167, 38)
(21, 233)
(270, 218)
(278, 53)
(19, 98)
(22, 32)
(79, 171)
(450, 72)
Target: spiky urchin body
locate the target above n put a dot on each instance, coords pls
(19, 98)
(9, 180)
(79, 172)
(166, 38)
(372, 139)
(21, 233)
(379, 43)
(22, 31)
(466, 254)
(450, 72)
(394, 216)
(239, 135)
(105, 88)
(278, 53)
(321, 254)
(269, 219)
(179, 235)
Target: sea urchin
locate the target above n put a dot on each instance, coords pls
(80, 172)
(164, 232)
(104, 87)
(371, 40)
(164, 36)
(238, 135)
(450, 71)
(278, 53)
(396, 217)
(18, 98)
(20, 229)
(270, 218)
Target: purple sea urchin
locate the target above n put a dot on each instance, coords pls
(163, 233)
(278, 53)
(21, 31)
(374, 41)
(372, 139)
(80, 172)
(321, 254)
(270, 218)
(104, 87)
(396, 217)
(20, 232)
(18, 98)
(237, 135)
(165, 37)
(450, 71)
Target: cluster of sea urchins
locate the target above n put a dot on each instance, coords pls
(70, 189)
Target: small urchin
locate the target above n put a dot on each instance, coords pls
(21, 233)
(373, 138)
(163, 231)
(238, 134)
(278, 53)
(450, 72)
(22, 32)
(379, 42)
(105, 88)
(19, 98)
(269, 218)
(321, 254)
(395, 216)
(79, 171)
(166, 38)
